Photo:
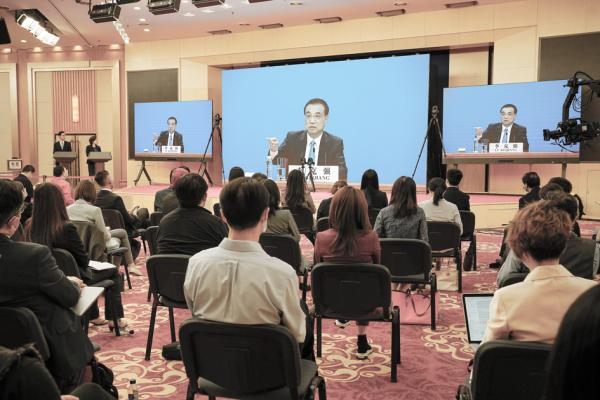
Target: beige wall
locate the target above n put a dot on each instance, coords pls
(43, 122)
(5, 123)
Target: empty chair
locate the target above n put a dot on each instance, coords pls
(246, 361)
(152, 237)
(304, 220)
(508, 369)
(323, 224)
(18, 327)
(166, 274)
(155, 218)
(287, 250)
(468, 235)
(355, 292)
(444, 239)
(409, 261)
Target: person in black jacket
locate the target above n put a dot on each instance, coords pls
(325, 205)
(93, 146)
(25, 178)
(30, 278)
(531, 184)
(369, 184)
(49, 225)
(453, 194)
(62, 144)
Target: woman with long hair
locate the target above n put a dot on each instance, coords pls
(369, 184)
(296, 194)
(403, 218)
(437, 208)
(280, 222)
(349, 240)
(49, 225)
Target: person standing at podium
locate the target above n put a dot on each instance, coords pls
(62, 144)
(93, 146)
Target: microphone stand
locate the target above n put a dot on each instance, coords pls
(203, 162)
(310, 176)
(435, 125)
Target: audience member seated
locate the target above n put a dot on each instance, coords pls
(403, 218)
(280, 222)
(49, 226)
(531, 185)
(107, 200)
(438, 209)
(581, 256)
(191, 227)
(159, 196)
(567, 187)
(23, 376)
(60, 173)
(20, 233)
(324, 206)
(170, 201)
(349, 240)
(369, 184)
(237, 282)
(259, 176)
(235, 172)
(30, 278)
(533, 309)
(25, 178)
(453, 194)
(84, 210)
(296, 192)
(573, 365)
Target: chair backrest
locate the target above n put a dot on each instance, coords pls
(152, 238)
(443, 235)
(66, 262)
(350, 290)
(323, 224)
(243, 359)
(405, 257)
(509, 369)
(18, 327)
(113, 219)
(217, 210)
(468, 223)
(373, 213)
(283, 247)
(166, 273)
(92, 238)
(512, 278)
(155, 218)
(303, 217)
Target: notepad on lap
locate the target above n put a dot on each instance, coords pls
(87, 297)
(101, 266)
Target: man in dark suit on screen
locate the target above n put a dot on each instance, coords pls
(170, 137)
(313, 142)
(62, 144)
(506, 131)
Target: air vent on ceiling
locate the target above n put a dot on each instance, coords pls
(328, 20)
(257, 1)
(220, 32)
(391, 13)
(271, 26)
(462, 4)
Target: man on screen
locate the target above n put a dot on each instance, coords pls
(312, 142)
(506, 131)
(170, 137)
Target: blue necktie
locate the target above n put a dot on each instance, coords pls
(170, 143)
(311, 152)
(505, 136)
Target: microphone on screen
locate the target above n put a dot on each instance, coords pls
(310, 161)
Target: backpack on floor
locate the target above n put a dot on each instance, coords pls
(104, 377)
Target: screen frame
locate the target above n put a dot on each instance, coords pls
(464, 296)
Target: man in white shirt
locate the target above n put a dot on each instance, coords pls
(237, 282)
(507, 131)
(170, 137)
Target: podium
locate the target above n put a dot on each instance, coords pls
(65, 158)
(99, 158)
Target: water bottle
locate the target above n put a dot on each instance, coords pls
(132, 390)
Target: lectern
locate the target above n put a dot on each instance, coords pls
(65, 158)
(99, 158)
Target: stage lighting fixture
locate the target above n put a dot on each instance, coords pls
(207, 3)
(107, 12)
(4, 36)
(38, 25)
(158, 7)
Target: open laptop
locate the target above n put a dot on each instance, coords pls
(476, 307)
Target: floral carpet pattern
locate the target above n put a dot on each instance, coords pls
(433, 362)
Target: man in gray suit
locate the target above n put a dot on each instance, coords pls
(506, 131)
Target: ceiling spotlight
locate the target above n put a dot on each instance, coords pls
(23, 41)
(207, 11)
(38, 25)
(188, 14)
(328, 20)
(146, 30)
(208, 3)
(391, 13)
(158, 7)
(142, 20)
(107, 12)
(296, 3)
(137, 8)
(462, 4)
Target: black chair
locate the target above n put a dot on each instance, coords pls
(409, 261)
(305, 222)
(469, 235)
(323, 224)
(355, 292)
(155, 218)
(18, 327)
(287, 250)
(509, 369)
(512, 278)
(373, 213)
(166, 274)
(68, 266)
(246, 361)
(217, 210)
(444, 239)
(114, 219)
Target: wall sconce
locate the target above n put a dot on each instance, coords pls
(75, 108)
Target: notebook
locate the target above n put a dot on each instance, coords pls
(477, 312)
(101, 266)
(87, 297)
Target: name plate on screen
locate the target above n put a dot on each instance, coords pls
(321, 173)
(171, 149)
(506, 147)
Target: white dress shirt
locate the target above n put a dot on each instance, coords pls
(317, 146)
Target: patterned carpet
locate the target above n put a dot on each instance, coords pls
(433, 362)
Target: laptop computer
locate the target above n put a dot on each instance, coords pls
(476, 307)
